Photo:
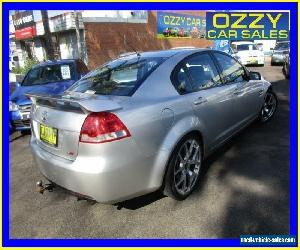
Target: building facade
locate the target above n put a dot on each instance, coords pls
(100, 35)
(106, 38)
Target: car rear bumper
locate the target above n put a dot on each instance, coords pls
(252, 61)
(277, 58)
(116, 177)
(19, 121)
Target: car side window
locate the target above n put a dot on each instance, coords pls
(33, 75)
(181, 81)
(202, 71)
(232, 71)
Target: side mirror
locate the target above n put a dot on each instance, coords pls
(254, 76)
(17, 84)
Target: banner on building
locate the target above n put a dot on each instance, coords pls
(23, 19)
(24, 25)
(247, 25)
(25, 33)
(175, 25)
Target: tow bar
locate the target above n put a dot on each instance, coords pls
(40, 187)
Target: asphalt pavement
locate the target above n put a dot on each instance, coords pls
(244, 190)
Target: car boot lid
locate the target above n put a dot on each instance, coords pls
(88, 101)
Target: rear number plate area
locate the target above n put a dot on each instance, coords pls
(49, 135)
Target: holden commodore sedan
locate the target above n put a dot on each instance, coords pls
(145, 122)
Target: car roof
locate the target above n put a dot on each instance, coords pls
(165, 53)
(244, 42)
(54, 62)
(282, 42)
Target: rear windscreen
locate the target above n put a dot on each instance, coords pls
(49, 74)
(119, 77)
(282, 46)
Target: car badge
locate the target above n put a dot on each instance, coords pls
(44, 116)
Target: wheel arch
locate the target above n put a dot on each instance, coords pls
(179, 131)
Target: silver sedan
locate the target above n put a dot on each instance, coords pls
(145, 121)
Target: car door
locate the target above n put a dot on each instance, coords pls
(246, 94)
(210, 99)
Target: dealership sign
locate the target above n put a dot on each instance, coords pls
(28, 32)
(24, 24)
(174, 25)
(23, 19)
(247, 25)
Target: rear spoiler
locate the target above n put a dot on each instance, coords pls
(86, 102)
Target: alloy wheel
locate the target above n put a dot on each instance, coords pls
(269, 106)
(187, 166)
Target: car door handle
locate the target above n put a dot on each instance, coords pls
(200, 100)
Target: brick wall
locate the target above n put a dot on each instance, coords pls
(105, 41)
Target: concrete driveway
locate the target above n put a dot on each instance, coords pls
(245, 190)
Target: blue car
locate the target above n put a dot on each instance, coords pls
(51, 77)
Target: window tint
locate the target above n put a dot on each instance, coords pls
(181, 81)
(282, 46)
(203, 72)
(49, 74)
(32, 76)
(196, 73)
(119, 77)
(231, 69)
(243, 47)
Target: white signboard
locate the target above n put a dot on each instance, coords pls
(65, 72)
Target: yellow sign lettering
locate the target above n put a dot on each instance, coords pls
(274, 20)
(218, 16)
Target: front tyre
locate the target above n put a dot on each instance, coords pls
(183, 170)
(269, 107)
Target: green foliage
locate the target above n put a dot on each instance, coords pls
(27, 66)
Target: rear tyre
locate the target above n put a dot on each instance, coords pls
(184, 167)
(284, 70)
(269, 107)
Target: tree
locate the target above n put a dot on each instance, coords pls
(47, 36)
(78, 37)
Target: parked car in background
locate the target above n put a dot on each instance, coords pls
(51, 77)
(145, 121)
(279, 52)
(13, 62)
(248, 53)
(286, 66)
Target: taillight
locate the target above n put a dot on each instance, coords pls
(102, 127)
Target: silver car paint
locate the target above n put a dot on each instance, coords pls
(157, 118)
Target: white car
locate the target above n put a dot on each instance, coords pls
(248, 53)
(13, 62)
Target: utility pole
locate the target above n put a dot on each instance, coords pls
(48, 37)
(78, 37)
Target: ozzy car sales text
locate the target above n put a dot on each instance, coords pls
(247, 26)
